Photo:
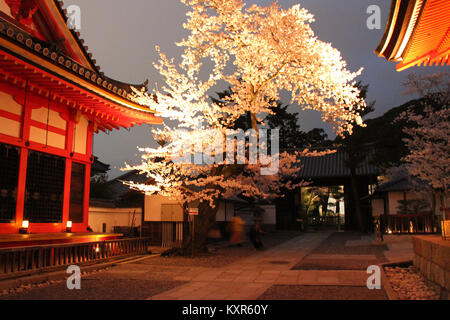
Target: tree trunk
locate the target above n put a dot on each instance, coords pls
(356, 201)
(254, 122)
(203, 223)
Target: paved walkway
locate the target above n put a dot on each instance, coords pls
(249, 278)
(267, 274)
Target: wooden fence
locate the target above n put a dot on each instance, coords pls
(167, 234)
(23, 260)
(409, 223)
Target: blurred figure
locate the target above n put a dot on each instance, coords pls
(237, 231)
(255, 235)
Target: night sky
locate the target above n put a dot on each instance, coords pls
(122, 36)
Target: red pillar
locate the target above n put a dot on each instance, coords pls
(87, 183)
(68, 173)
(21, 185)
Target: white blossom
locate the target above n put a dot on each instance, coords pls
(259, 52)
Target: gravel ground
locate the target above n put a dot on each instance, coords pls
(409, 284)
(139, 279)
(289, 292)
(106, 284)
(224, 255)
(91, 289)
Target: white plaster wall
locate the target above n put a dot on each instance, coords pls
(269, 215)
(122, 217)
(80, 134)
(7, 103)
(171, 212)
(53, 117)
(47, 137)
(43, 115)
(153, 205)
(394, 197)
(8, 126)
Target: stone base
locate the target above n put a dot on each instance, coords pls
(432, 259)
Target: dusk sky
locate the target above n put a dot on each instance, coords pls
(122, 36)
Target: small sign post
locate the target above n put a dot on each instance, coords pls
(192, 213)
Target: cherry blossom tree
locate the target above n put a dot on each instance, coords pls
(258, 52)
(428, 138)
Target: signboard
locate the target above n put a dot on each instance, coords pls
(193, 211)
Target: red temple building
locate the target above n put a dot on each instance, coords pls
(53, 98)
(417, 34)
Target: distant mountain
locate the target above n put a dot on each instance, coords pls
(386, 136)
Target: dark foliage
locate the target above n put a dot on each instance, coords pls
(99, 188)
(291, 135)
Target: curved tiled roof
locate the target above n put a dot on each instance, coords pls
(89, 56)
(334, 166)
(77, 36)
(50, 52)
(417, 33)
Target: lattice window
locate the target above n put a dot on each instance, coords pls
(44, 188)
(9, 173)
(77, 192)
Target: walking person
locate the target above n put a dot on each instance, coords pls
(255, 235)
(237, 231)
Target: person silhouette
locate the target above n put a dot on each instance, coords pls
(237, 231)
(255, 235)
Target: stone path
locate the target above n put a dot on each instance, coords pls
(267, 274)
(344, 251)
(288, 292)
(249, 278)
(400, 248)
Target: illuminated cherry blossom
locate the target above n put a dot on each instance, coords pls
(428, 139)
(258, 52)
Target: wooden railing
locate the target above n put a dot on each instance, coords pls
(409, 223)
(25, 260)
(129, 232)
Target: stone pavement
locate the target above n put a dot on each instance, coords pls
(267, 274)
(249, 278)
(400, 248)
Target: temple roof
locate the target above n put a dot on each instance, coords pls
(126, 87)
(334, 165)
(99, 167)
(417, 33)
(47, 43)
